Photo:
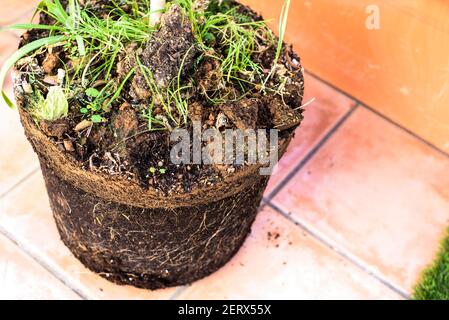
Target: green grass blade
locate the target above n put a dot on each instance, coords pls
(8, 101)
(28, 26)
(282, 27)
(80, 44)
(56, 8)
(120, 88)
(19, 54)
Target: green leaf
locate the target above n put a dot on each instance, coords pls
(96, 118)
(55, 8)
(92, 92)
(81, 47)
(54, 107)
(84, 110)
(28, 26)
(19, 54)
(120, 88)
(8, 101)
(209, 37)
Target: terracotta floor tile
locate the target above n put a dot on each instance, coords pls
(26, 214)
(378, 192)
(280, 261)
(23, 278)
(17, 158)
(320, 116)
(12, 10)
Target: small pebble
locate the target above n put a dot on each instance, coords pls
(51, 80)
(61, 76)
(68, 145)
(27, 87)
(222, 120)
(83, 125)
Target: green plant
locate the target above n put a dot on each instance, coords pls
(99, 101)
(239, 37)
(434, 284)
(95, 38)
(234, 33)
(153, 170)
(93, 45)
(282, 29)
(53, 107)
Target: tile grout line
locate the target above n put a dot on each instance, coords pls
(311, 153)
(41, 262)
(371, 109)
(20, 182)
(178, 292)
(24, 248)
(347, 255)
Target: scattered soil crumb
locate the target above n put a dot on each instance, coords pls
(273, 235)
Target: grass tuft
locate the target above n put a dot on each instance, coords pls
(92, 45)
(88, 38)
(434, 284)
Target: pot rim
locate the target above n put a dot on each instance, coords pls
(121, 189)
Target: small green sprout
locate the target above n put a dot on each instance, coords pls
(96, 118)
(93, 93)
(152, 170)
